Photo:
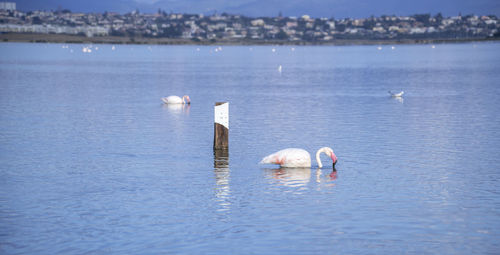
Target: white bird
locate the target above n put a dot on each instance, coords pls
(176, 100)
(280, 68)
(293, 157)
(400, 94)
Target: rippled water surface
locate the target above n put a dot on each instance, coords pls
(92, 162)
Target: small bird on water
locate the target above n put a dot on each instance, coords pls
(400, 94)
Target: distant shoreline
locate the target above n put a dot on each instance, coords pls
(65, 38)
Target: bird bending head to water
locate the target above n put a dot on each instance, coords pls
(294, 157)
(176, 100)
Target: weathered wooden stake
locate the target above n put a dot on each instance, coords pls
(221, 126)
(221, 159)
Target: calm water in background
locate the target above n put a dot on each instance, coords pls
(92, 162)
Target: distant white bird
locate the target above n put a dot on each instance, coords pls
(400, 94)
(293, 157)
(176, 100)
(280, 68)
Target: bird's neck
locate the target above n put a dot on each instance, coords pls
(318, 159)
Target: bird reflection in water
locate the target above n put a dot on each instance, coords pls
(292, 177)
(300, 177)
(332, 176)
(399, 99)
(177, 108)
(222, 179)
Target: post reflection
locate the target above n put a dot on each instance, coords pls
(222, 179)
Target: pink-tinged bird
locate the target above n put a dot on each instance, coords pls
(176, 100)
(293, 157)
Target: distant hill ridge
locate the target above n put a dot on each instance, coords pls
(200, 28)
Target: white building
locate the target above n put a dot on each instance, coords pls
(9, 6)
(257, 22)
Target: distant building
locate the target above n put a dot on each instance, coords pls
(257, 22)
(9, 6)
(231, 27)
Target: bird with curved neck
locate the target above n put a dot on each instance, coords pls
(294, 157)
(176, 100)
(329, 152)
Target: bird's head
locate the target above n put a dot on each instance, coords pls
(188, 101)
(332, 155)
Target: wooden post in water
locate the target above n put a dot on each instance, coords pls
(221, 126)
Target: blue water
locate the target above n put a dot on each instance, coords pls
(92, 162)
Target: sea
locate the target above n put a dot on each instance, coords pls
(93, 162)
